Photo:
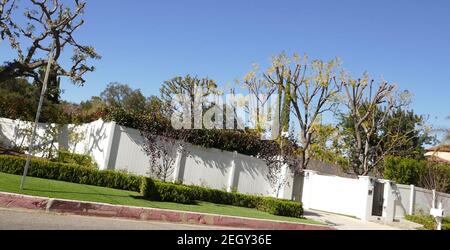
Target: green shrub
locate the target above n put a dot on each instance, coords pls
(271, 205)
(223, 197)
(169, 192)
(160, 191)
(70, 173)
(419, 173)
(166, 192)
(428, 221)
(281, 207)
(403, 170)
(148, 189)
(65, 156)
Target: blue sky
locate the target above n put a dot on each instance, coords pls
(144, 43)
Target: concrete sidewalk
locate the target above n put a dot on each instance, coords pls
(14, 201)
(342, 222)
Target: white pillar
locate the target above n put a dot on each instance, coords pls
(111, 133)
(412, 198)
(232, 174)
(308, 188)
(177, 167)
(389, 202)
(367, 192)
(434, 199)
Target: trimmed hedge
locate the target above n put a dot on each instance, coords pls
(70, 173)
(166, 192)
(161, 191)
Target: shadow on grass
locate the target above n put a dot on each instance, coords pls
(196, 203)
(81, 193)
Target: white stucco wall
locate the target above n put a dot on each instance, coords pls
(126, 152)
(7, 132)
(402, 204)
(334, 194)
(206, 167)
(420, 201)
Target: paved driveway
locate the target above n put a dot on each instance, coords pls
(342, 222)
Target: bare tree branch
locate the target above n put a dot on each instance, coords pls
(314, 88)
(48, 22)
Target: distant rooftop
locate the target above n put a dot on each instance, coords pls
(442, 148)
(439, 154)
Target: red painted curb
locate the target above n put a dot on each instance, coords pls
(8, 200)
(19, 201)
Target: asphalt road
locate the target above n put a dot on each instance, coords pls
(31, 220)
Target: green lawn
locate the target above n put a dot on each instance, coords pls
(65, 190)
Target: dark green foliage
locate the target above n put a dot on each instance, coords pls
(148, 189)
(169, 192)
(404, 170)
(402, 133)
(410, 125)
(246, 142)
(421, 173)
(166, 192)
(70, 173)
(281, 207)
(65, 156)
(123, 96)
(19, 100)
(161, 191)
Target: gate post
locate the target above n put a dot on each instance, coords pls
(308, 187)
(389, 202)
(412, 200)
(367, 189)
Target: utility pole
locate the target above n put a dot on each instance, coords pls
(38, 114)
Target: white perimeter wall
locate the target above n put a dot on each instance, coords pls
(120, 148)
(415, 200)
(96, 139)
(207, 167)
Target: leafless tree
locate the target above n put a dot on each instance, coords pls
(6, 8)
(314, 89)
(261, 90)
(369, 106)
(191, 93)
(436, 177)
(48, 23)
